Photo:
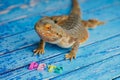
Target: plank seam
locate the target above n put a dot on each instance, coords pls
(116, 78)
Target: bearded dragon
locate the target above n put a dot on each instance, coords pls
(65, 31)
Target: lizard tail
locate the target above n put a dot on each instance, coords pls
(92, 23)
(76, 8)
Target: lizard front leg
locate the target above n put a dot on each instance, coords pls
(72, 54)
(40, 49)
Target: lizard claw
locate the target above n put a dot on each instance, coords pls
(70, 56)
(38, 51)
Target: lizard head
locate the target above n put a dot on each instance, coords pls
(48, 30)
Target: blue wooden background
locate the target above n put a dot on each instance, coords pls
(97, 59)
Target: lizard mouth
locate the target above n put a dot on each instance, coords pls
(50, 37)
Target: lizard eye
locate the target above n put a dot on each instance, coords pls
(48, 26)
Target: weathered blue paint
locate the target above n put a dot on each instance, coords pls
(97, 59)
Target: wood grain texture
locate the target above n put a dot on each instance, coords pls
(97, 59)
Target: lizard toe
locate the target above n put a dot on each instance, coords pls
(38, 51)
(70, 56)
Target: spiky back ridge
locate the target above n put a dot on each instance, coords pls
(73, 26)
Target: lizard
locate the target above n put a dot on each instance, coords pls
(65, 31)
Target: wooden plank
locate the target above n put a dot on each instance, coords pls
(20, 40)
(11, 7)
(87, 56)
(104, 11)
(18, 26)
(5, 4)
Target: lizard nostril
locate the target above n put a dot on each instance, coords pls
(55, 21)
(57, 33)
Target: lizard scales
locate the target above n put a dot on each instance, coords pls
(74, 27)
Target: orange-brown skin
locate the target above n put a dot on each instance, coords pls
(64, 31)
